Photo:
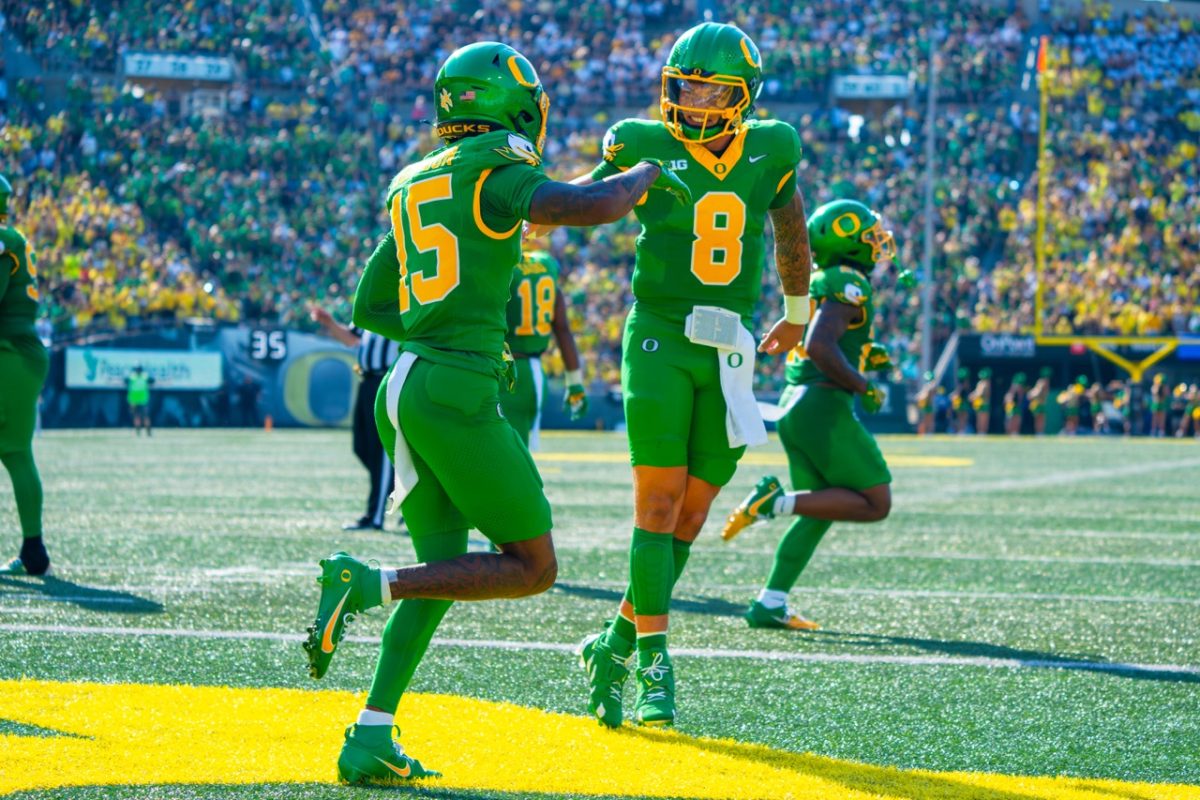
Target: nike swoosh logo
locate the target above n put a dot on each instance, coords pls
(754, 507)
(327, 636)
(403, 773)
(757, 158)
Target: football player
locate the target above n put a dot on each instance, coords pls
(23, 365)
(688, 354)
(836, 467)
(439, 283)
(536, 311)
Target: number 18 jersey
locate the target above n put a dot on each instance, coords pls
(531, 307)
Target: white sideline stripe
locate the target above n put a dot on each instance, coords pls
(756, 655)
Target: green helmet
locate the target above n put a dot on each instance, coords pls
(710, 82)
(488, 86)
(1019, 379)
(6, 191)
(847, 232)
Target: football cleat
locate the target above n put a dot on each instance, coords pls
(655, 688)
(606, 674)
(342, 580)
(759, 504)
(759, 616)
(16, 566)
(375, 757)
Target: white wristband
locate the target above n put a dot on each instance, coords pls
(574, 377)
(797, 310)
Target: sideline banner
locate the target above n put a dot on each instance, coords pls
(176, 370)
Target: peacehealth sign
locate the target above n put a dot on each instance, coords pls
(94, 368)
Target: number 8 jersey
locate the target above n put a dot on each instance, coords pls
(439, 282)
(712, 252)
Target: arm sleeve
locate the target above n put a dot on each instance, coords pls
(377, 301)
(790, 149)
(507, 193)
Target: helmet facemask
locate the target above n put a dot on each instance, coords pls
(700, 108)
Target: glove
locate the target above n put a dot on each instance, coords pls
(508, 374)
(878, 359)
(670, 182)
(575, 402)
(872, 399)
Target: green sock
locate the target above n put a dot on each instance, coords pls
(410, 628)
(27, 489)
(794, 551)
(651, 574)
(624, 628)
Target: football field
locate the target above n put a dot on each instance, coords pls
(1026, 624)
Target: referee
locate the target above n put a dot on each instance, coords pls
(375, 355)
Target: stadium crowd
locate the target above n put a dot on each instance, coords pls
(237, 217)
(1123, 195)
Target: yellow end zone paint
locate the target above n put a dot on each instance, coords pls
(900, 460)
(138, 734)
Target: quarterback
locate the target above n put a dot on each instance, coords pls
(688, 354)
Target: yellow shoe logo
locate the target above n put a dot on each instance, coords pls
(754, 507)
(403, 773)
(327, 637)
(346, 576)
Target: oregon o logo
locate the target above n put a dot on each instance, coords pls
(720, 168)
(649, 345)
(346, 576)
(734, 360)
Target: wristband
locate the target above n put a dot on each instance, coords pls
(574, 377)
(797, 310)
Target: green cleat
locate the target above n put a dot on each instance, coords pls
(655, 688)
(759, 616)
(606, 674)
(16, 566)
(759, 504)
(348, 587)
(370, 756)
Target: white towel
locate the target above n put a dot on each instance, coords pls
(743, 421)
(406, 471)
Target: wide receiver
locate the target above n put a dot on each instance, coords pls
(536, 312)
(439, 284)
(688, 354)
(837, 469)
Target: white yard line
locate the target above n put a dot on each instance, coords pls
(189, 587)
(756, 655)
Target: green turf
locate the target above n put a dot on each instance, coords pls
(1078, 553)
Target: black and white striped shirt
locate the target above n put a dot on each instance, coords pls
(375, 353)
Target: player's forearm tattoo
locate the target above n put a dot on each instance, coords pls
(793, 258)
(474, 576)
(608, 200)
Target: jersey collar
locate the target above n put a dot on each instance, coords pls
(719, 167)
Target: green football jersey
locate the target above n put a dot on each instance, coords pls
(531, 303)
(18, 284)
(439, 281)
(845, 285)
(712, 252)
